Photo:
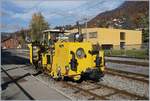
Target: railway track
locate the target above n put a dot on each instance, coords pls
(124, 92)
(91, 91)
(15, 81)
(144, 64)
(129, 75)
(96, 90)
(95, 95)
(80, 89)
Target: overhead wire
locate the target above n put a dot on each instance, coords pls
(67, 16)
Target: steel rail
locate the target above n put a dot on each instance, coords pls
(127, 76)
(124, 92)
(21, 88)
(5, 84)
(127, 72)
(16, 68)
(86, 91)
(104, 97)
(145, 64)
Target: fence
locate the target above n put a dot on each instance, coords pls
(133, 51)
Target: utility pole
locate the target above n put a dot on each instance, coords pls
(86, 28)
(78, 26)
(85, 22)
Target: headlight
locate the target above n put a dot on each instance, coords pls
(58, 69)
(77, 36)
(34, 47)
(80, 53)
(67, 68)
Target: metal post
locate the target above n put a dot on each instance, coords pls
(86, 28)
(78, 26)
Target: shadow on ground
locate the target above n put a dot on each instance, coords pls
(9, 58)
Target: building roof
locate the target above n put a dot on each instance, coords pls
(5, 39)
(8, 38)
(54, 31)
(99, 28)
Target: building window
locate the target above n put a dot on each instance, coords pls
(122, 45)
(92, 34)
(122, 35)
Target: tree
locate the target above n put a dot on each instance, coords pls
(22, 36)
(37, 25)
(144, 24)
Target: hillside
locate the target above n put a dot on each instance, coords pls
(127, 16)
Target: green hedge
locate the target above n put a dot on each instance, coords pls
(128, 53)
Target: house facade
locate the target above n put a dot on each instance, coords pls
(112, 38)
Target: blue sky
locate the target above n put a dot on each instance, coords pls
(16, 14)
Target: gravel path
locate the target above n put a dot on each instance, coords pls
(132, 86)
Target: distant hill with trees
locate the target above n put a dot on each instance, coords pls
(127, 16)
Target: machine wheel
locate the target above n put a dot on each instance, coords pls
(59, 76)
(59, 79)
(79, 81)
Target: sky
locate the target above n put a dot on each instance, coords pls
(17, 14)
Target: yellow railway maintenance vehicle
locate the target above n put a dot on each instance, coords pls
(67, 57)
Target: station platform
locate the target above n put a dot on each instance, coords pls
(34, 87)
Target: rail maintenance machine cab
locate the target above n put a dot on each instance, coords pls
(63, 58)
